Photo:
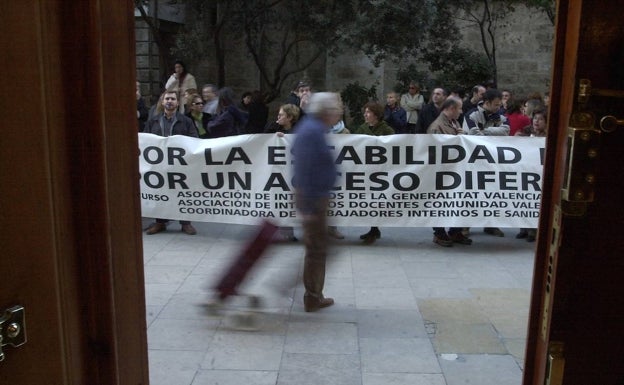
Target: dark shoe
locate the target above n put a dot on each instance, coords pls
(531, 234)
(156, 227)
(314, 303)
(460, 238)
(442, 240)
(495, 231)
(370, 237)
(522, 234)
(373, 231)
(189, 229)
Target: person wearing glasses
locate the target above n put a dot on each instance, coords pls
(199, 118)
(412, 102)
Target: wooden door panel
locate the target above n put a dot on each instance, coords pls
(69, 212)
(577, 293)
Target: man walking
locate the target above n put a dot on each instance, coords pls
(314, 176)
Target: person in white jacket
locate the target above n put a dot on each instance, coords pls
(180, 81)
(485, 119)
(412, 103)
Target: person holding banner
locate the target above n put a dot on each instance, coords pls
(168, 123)
(446, 123)
(287, 116)
(374, 124)
(197, 116)
(430, 111)
(486, 119)
(394, 114)
(314, 176)
(229, 120)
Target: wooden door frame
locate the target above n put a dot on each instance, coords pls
(79, 132)
(98, 59)
(562, 93)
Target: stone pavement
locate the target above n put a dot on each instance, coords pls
(407, 311)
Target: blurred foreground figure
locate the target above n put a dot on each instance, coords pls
(314, 176)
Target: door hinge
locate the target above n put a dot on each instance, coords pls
(12, 328)
(555, 364)
(582, 157)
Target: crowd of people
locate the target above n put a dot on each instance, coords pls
(214, 113)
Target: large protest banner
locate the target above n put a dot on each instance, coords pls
(391, 181)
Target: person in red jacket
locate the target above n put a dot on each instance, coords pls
(516, 119)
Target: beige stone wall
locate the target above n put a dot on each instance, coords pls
(524, 51)
(524, 62)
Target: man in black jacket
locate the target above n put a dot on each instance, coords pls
(167, 123)
(431, 111)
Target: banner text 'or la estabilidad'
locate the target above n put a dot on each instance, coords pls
(390, 181)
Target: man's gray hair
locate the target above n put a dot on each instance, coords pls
(322, 102)
(451, 101)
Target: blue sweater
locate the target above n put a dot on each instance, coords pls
(314, 167)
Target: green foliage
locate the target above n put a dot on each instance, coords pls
(387, 29)
(355, 96)
(285, 37)
(460, 68)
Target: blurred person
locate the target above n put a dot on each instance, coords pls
(537, 125)
(211, 101)
(531, 105)
(506, 99)
(485, 119)
(180, 81)
(475, 97)
(170, 122)
(431, 110)
(245, 101)
(338, 128)
(536, 95)
(394, 114)
(187, 95)
(517, 120)
(538, 128)
(200, 119)
(228, 120)
(373, 125)
(300, 95)
(412, 102)
(258, 113)
(314, 177)
(142, 111)
(287, 116)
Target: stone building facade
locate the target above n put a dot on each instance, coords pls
(524, 52)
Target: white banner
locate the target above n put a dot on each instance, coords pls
(389, 181)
